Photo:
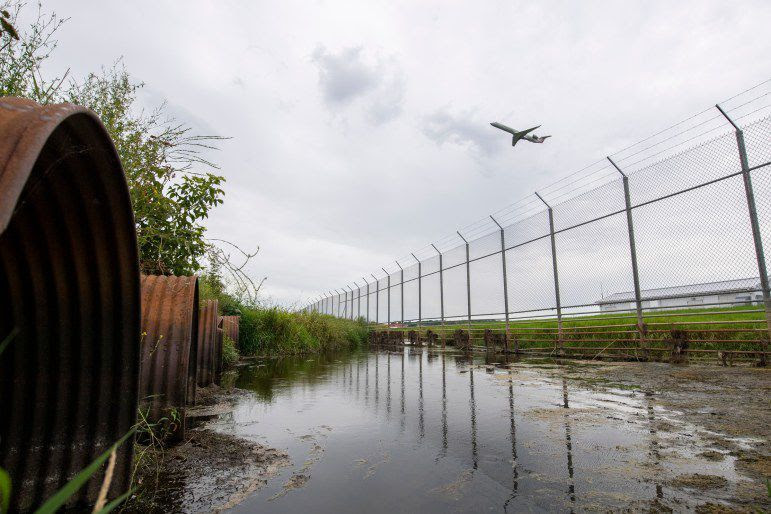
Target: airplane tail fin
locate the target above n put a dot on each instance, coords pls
(519, 135)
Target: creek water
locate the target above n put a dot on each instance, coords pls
(421, 430)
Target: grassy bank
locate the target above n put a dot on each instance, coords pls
(278, 331)
(273, 330)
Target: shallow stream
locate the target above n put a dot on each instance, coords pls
(431, 431)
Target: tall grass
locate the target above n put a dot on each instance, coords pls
(278, 331)
(274, 330)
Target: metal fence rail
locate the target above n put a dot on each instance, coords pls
(677, 221)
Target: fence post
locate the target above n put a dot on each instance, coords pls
(388, 303)
(633, 253)
(377, 299)
(756, 236)
(441, 291)
(468, 283)
(556, 275)
(358, 300)
(365, 281)
(338, 303)
(401, 286)
(420, 293)
(505, 286)
(349, 287)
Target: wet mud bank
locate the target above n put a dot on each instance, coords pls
(207, 471)
(710, 428)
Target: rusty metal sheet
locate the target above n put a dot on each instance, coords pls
(208, 354)
(230, 327)
(169, 341)
(69, 288)
(218, 353)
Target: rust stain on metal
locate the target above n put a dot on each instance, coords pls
(209, 344)
(230, 327)
(69, 290)
(168, 345)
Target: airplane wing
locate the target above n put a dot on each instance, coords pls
(519, 135)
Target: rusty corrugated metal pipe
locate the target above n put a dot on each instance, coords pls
(209, 344)
(230, 327)
(169, 346)
(69, 289)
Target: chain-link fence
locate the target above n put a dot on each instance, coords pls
(674, 225)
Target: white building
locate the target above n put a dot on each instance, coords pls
(728, 293)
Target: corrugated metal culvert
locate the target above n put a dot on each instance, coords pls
(69, 290)
(209, 344)
(168, 346)
(230, 327)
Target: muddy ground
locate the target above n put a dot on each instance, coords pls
(207, 471)
(700, 414)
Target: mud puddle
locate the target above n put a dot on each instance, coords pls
(421, 430)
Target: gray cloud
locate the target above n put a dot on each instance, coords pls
(462, 129)
(344, 76)
(388, 101)
(348, 75)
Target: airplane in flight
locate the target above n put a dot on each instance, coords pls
(520, 134)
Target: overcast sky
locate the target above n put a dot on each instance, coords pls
(360, 129)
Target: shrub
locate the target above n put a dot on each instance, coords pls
(230, 353)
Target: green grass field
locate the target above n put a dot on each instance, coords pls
(732, 328)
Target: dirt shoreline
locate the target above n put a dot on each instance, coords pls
(208, 471)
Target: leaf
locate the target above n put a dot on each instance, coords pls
(9, 29)
(5, 13)
(8, 339)
(71, 487)
(117, 501)
(5, 490)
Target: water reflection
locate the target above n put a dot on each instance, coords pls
(421, 419)
(388, 381)
(402, 419)
(568, 443)
(472, 404)
(513, 439)
(469, 432)
(444, 406)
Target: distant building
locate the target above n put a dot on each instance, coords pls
(728, 293)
